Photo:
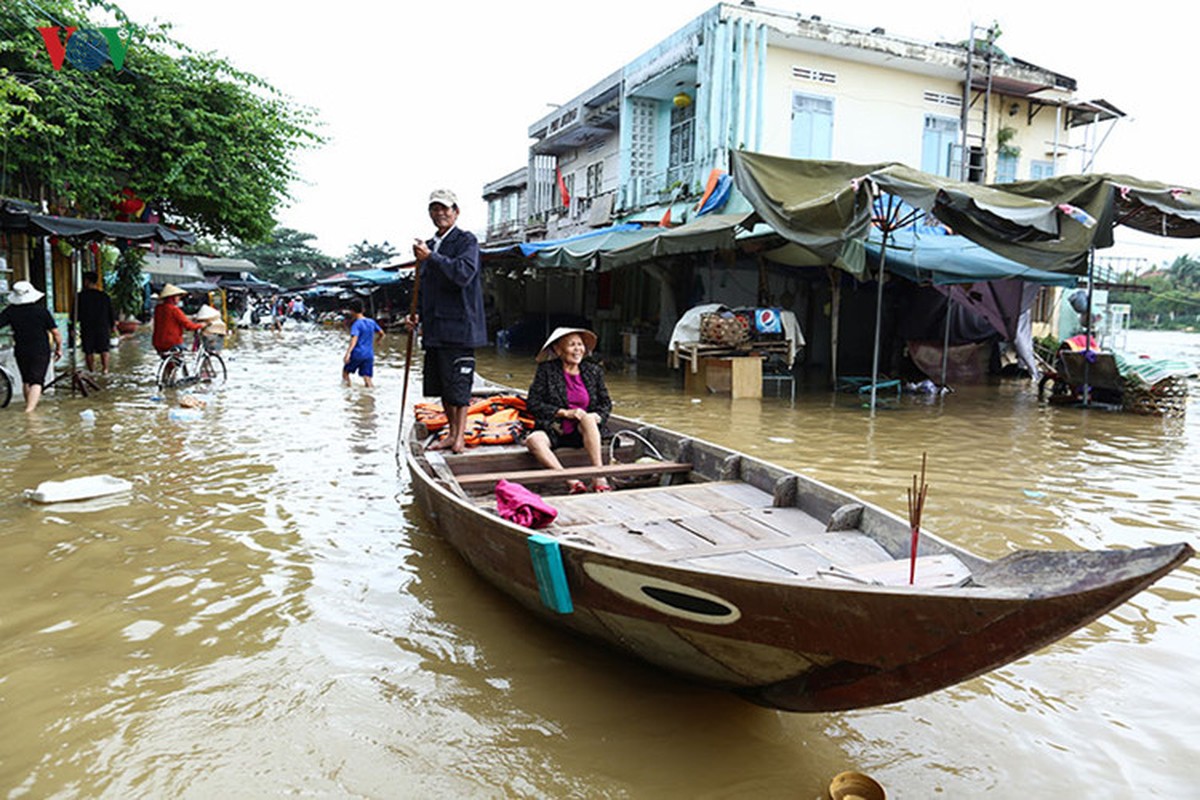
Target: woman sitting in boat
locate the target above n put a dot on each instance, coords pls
(569, 402)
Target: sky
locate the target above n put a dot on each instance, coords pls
(418, 96)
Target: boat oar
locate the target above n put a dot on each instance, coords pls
(408, 350)
(916, 504)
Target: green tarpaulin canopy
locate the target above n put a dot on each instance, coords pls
(625, 245)
(1050, 224)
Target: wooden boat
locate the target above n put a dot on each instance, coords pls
(747, 576)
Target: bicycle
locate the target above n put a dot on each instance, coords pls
(202, 365)
(7, 380)
(6, 387)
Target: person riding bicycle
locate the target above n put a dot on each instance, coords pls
(170, 322)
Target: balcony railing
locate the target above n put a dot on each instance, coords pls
(648, 190)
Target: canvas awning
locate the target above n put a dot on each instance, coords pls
(378, 277)
(703, 234)
(1049, 224)
(623, 245)
(924, 256)
(18, 217)
(573, 252)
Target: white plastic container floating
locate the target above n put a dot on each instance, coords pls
(77, 489)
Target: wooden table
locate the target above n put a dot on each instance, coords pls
(692, 352)
(737, 370)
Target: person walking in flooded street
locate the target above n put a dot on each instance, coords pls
(359, 357)
(33, 327)
(97, 322)
(450, 315)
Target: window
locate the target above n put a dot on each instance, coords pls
(938, 145)
(595, 179)
(569, 182)
(812, 126)
(815, 75)
(683, 142)
(1006, 168)
(641, 124)
(943, 99)
(1041, 169)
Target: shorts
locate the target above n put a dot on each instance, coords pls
(364, 366)
(94, 341)
(33, 368)
(557, 440)
(449, 374)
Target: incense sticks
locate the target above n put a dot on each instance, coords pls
(916, 504)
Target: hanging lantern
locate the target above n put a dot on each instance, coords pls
(682, 100)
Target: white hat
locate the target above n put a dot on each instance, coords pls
(170, 290)
(206, 312)
(547, 351)
(443, 197)
(24, 293)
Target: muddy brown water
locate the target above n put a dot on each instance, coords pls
(268, 613)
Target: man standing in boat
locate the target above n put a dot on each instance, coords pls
(451, 313)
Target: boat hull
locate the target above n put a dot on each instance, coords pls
(801, 645)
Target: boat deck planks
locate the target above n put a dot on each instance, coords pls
(726, 525)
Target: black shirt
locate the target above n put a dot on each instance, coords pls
(30, 322)
(95, 311)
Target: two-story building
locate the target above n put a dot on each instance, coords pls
(646, 138)
(745, 77)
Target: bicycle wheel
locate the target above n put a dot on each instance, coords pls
(211, 369)
(171, 371)
(6, 389)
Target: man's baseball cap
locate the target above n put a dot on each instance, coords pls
(444, 197)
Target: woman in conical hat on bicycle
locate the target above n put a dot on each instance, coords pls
(170, 322)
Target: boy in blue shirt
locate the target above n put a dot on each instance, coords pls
(360, 355)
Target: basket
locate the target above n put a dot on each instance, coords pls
(726, 329)
(1168, 397)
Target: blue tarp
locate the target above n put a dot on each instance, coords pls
(379, 277)
(529, 248)
(573, 251)
(923, 256)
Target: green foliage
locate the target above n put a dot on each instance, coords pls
(128, 296)
(210, 146)
(1003, 137)
(286, 258)
(367, 253)
(1173, 301)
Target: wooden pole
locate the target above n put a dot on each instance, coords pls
(946, 337)
(408, 351)
(835, 303)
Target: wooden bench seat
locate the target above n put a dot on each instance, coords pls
(541, 476)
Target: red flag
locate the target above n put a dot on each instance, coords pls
(665, 222)
(562, 188)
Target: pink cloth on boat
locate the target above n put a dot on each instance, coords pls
(517, 504)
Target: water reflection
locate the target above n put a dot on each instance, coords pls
(268, 612)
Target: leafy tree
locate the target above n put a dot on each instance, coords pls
(1185, 272)
(287, 258)
(209, 146)
(367, 253)
(1173, 300)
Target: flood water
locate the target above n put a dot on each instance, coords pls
(269, 614)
